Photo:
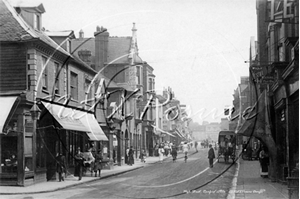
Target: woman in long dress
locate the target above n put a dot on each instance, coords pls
(264, 163)
(130, 154)
(161, 153)
(98, 163)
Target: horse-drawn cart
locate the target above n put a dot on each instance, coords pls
(227, 146)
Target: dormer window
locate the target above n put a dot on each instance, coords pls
(37, 22)
(32, 14)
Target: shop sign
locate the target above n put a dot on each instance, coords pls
(256, 68)
(268, 80)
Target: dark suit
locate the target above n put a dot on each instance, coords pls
(79, 159)
(211, 156)
(61, 166)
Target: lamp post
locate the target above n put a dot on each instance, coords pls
(35, 115)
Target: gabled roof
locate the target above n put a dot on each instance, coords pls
(15, 29)
(37, 6)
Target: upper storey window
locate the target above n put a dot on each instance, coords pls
(74, 86)
(45, 73)
(139, 74)
(37, 21)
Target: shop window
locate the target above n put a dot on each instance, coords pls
(9, 153)
(28, 146)
(75, 141)
(28, 164)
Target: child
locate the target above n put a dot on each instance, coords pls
(143, 156)
(174, 153)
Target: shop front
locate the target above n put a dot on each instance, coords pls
(20, 153)
(29, 146)
(64, 130)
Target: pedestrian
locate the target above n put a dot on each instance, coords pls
(161, 152)
(211, 156)
(143, 156)
(196, 145)
(79, 161)
(61, 166)
(174, 153)
(185, 149)
(166, 149)
(156, 149)
(127, 156)
(89, 160)
(130, 154)
(264, 162)
(98, 163)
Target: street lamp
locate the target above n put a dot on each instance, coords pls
(35, 112)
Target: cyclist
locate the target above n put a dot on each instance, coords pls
(185, 149)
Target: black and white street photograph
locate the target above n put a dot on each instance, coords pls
(149, 99)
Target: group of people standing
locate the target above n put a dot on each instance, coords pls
(167, 146)
(162, 151)
(91, 159)
(129, 156)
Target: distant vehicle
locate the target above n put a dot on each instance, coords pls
(227, 146)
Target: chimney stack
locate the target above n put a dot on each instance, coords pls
(81, 34)
(101, 47)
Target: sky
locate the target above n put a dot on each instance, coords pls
(196, 47)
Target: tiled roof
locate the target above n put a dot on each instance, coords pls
(89, 45)
(82, 63)
(14, 28)
(118, 49)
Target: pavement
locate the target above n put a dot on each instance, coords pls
(247, 183)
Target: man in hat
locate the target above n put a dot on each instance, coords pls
(211, 156)
(79, 161)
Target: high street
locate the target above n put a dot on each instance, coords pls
(166, 180)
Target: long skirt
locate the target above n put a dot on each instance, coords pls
(264, 167)
(131, 160)
(161, 157)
